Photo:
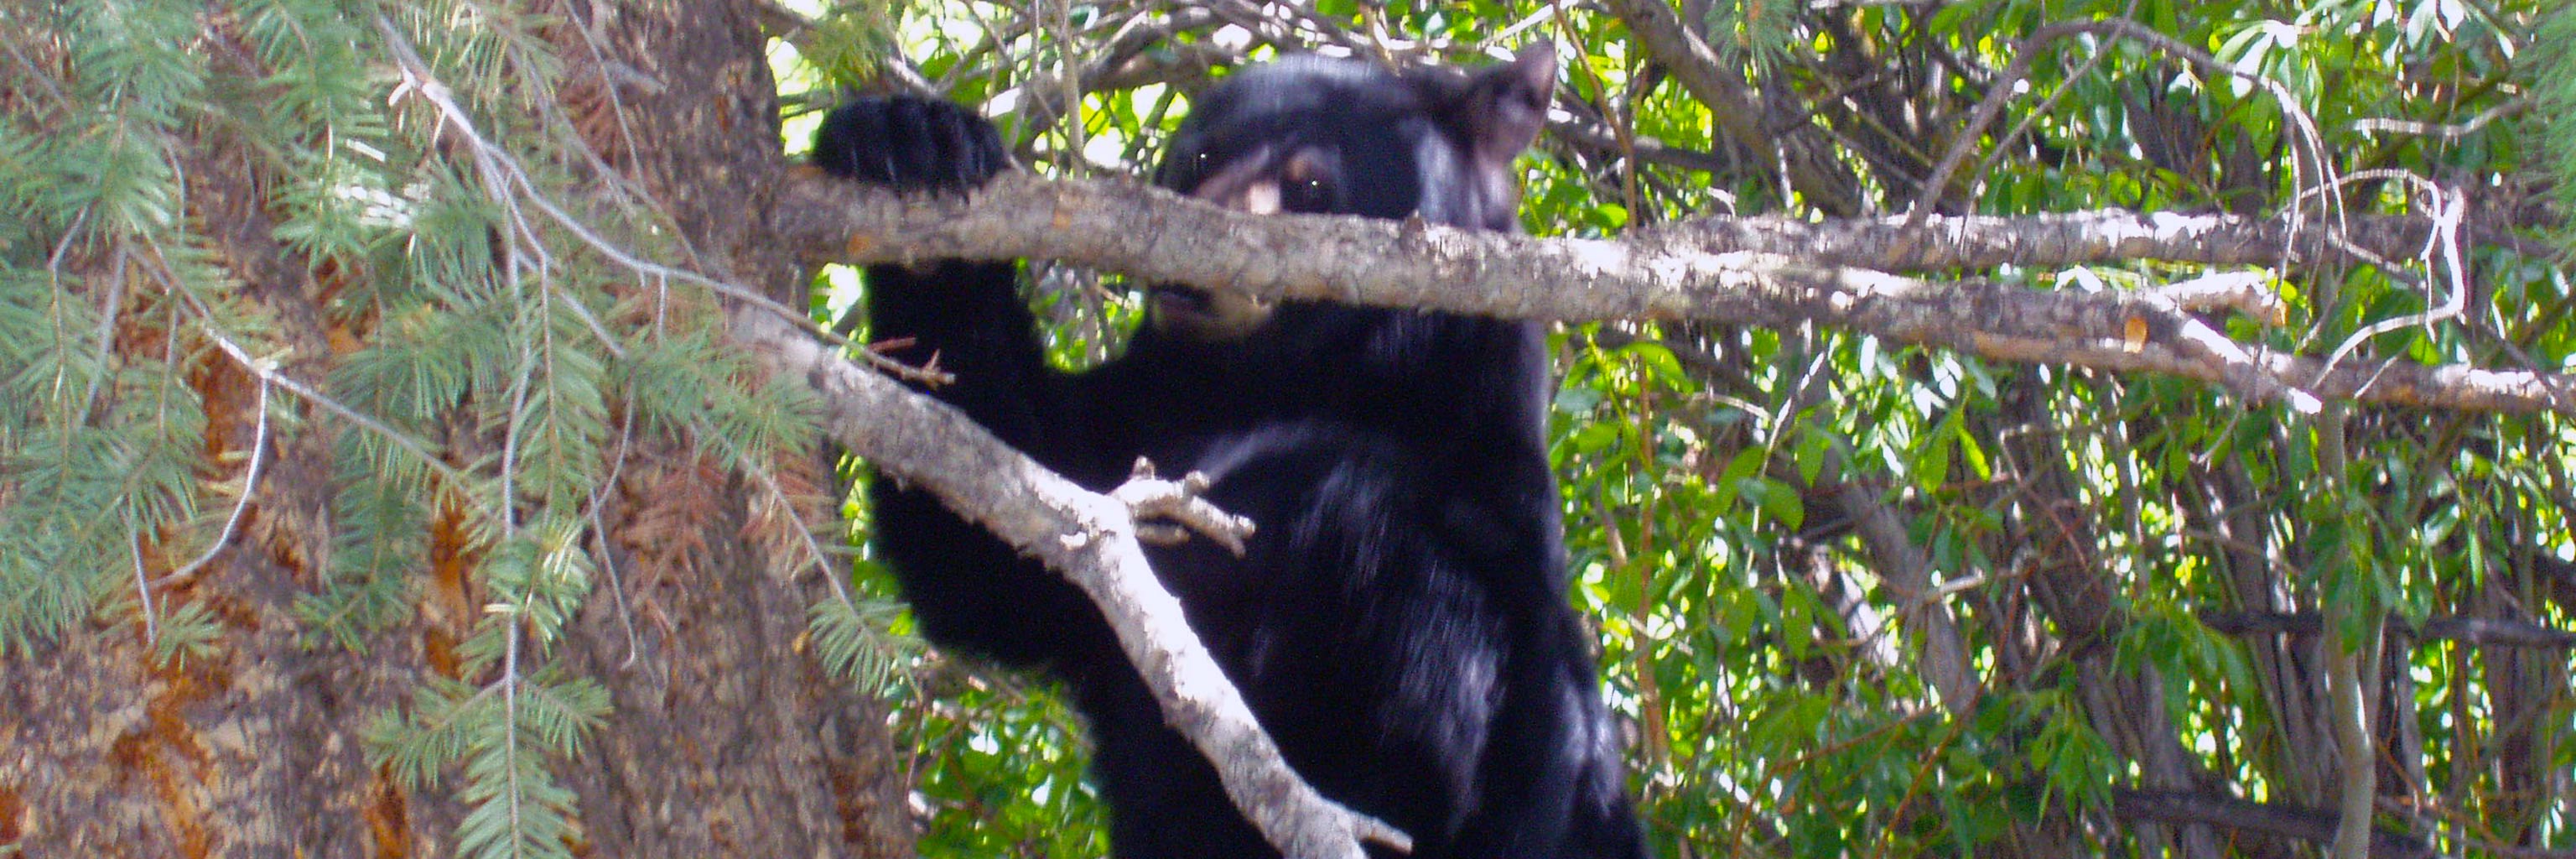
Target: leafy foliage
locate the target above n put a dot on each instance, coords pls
(1771, 526)
(2554, 56)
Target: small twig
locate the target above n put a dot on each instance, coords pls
(1151, 498)
(114, 305)
(250, 481)
(2445, 132)
(814, 550)
(2444, 241)
(928, 373)
(268, 373)
(143, 589)
(599, 533)
(2031, 118)
(2002, 89)
(506, 170)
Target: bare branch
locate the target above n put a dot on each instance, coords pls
(1157, 235)
(2485, 632)
(2509, 108)
(1149, 498)
(1091, 539)
(2287, 821)
(2003, 89)
(1597, 137)
(2065, 238)
(1817, 177)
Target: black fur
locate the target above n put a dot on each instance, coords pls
(1399, 623)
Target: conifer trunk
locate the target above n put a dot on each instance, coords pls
(726, 737)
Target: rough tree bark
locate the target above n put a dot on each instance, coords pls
(727, 738)
(1667, 274)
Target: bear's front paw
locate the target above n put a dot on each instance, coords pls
(911, 144)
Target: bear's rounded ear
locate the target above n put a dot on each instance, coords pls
(1507, 104)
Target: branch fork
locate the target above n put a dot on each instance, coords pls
(1167, 511)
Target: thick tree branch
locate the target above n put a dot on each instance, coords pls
(2287, 821)
(2057, 239)
(1157, 235)
(2485, 632)
(1092, 540)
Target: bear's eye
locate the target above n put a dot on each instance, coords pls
(1306, 196)
(1305, 182)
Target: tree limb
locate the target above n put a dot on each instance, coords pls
(1168, 511)
(1814, 174)
(2067, 238)
(2468, 630)
(1091, 539)
(2288, 821)
(1157, 235)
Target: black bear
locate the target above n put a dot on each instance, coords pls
(1399, 620)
